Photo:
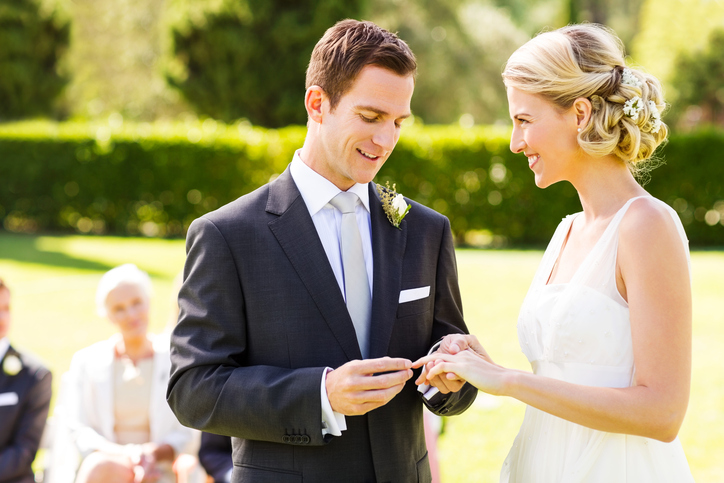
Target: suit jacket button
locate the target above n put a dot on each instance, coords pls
(297, 439)
(285, 439)
(305, 439)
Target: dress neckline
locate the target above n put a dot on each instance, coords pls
(585, 260)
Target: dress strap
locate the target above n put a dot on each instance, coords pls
(553, 250)
(600, 262)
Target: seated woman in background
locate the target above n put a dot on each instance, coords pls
(115, 400)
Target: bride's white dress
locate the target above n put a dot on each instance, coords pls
(580, 332)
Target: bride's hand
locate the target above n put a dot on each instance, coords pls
(467, 365)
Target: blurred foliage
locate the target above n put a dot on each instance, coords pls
(689, 183)
(117, 56)
(233, 59)
(248, 58)
(699, 81)
(669, 28)
(131, 179)
(154, 179)
(33, 38)
(620, 15)
(461, 47)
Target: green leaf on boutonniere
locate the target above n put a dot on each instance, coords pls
(393, 203)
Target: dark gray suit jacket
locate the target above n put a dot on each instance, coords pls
(22, 424)
(261, 316)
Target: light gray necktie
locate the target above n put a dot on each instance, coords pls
(356, 284)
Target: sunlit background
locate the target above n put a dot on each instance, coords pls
(134, 117)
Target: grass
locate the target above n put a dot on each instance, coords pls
(53, 279)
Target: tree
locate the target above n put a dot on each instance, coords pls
(116, 59)
(621, 15)
(461, 47)
(699, 80)
(670, 27)
(33, 38)
(248, 58)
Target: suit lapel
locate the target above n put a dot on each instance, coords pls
(388, 248)
(4, 378)
(297, 236)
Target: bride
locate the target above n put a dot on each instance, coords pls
(606, 324)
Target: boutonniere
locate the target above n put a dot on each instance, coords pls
(393, 203)
(12, 365)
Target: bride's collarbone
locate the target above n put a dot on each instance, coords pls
(578, 244)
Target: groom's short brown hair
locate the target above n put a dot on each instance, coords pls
(350, 45)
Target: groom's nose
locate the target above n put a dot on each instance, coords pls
(386, 136)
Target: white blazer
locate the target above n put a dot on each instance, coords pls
(88, 402)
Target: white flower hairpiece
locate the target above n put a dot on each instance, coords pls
(629, 79)
(655, 117)
(633, 107)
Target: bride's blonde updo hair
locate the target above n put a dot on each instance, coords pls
(588, 61)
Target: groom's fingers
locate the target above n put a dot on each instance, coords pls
(435, 356)
(384, 381)
(454, 343)
(357, 387)
(383, 364)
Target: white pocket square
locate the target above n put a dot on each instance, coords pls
(8, 399)
(414, 294)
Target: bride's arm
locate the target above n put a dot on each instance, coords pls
(655, 275)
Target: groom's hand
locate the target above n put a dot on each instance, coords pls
(452, 344)
(358, 387)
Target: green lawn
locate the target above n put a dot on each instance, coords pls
(53, 281)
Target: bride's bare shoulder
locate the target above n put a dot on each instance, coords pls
(646, 221)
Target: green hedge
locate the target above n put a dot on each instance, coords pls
(155, 179)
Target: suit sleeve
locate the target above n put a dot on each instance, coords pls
(212, 388)
(448, 319)
(17, 457)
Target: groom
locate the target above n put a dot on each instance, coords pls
(302, 305)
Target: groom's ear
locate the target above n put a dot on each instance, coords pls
(313, 101)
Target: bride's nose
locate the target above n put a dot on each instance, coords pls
(517, 144)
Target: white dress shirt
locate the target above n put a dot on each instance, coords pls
(317, 191)
(4, 346)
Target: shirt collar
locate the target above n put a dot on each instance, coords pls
(4, 346)
(317, 190)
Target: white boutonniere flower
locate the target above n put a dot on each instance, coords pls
(393, 203)
(12, 365)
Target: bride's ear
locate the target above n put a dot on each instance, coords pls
(582, 109)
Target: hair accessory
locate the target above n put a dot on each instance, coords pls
(629, 79)
(633, 107)
(655, 117)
